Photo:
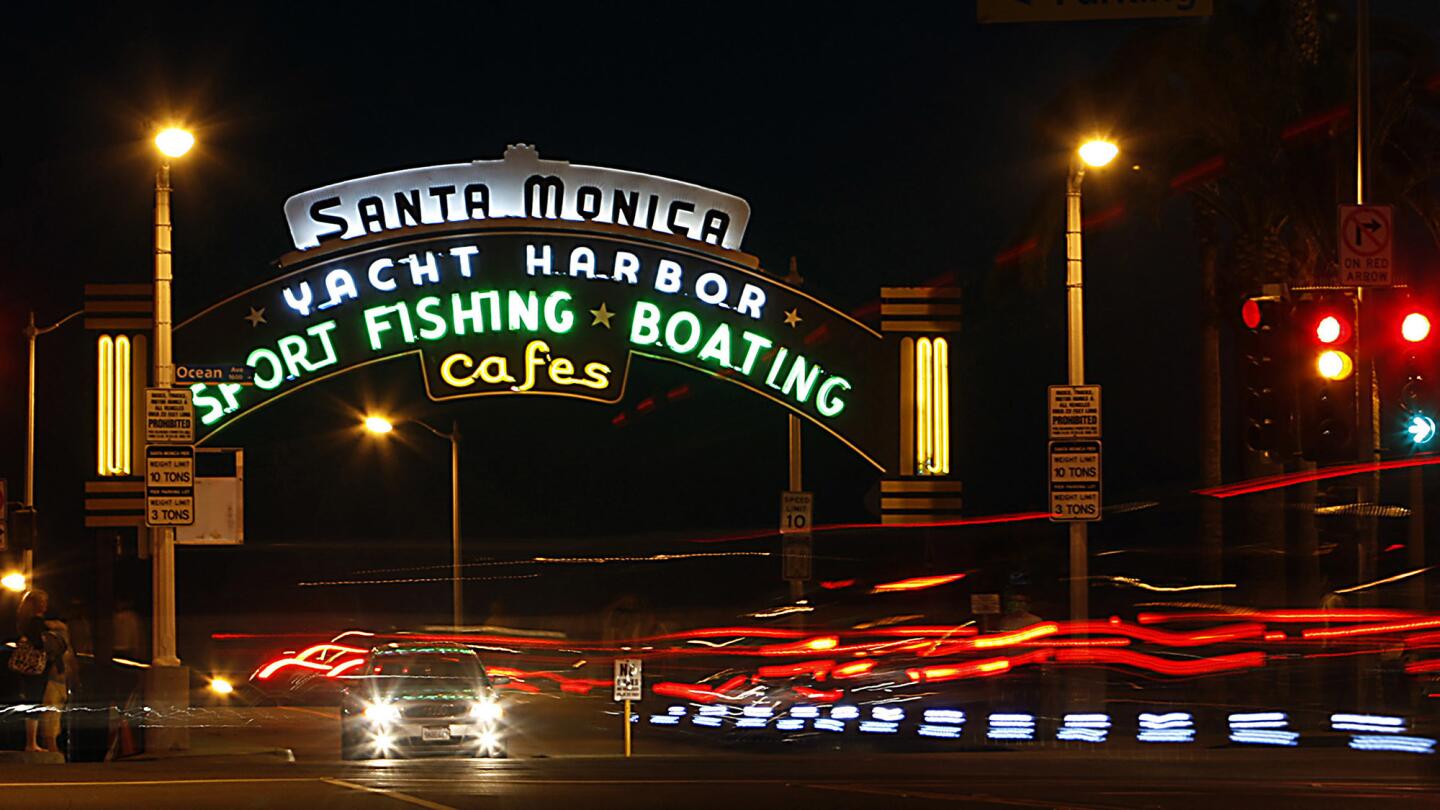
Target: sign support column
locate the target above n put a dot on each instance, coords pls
(1075, 307)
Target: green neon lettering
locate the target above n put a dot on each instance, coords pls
(756, 345)
(462, 313)
(775, 368)
(717, 348)
(827, 403)
(524, 311)
(228, 391)
(559, 320)
(272, 380)
(672, 332)
(435, 326)
(322, 331)
(374, 326)
(799, 380)
(214, 410)
(292, 351)
(492, 297)
(645, 326)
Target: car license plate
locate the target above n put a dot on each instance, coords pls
(428, 734)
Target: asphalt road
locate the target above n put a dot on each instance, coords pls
(566, 759)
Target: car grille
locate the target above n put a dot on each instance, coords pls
(419, 710)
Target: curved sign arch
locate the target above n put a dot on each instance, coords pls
(497, 304)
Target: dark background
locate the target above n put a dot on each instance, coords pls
(880, 144)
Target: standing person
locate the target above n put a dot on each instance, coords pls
(61, 675)
(30, 621)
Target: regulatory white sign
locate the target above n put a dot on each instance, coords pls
(1074, 481)
(169, 485)
(169, 416)
(795, 512)
(1366, 245)
(1074, 411)
(629, 683)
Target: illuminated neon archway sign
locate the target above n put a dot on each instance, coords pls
(530, 277)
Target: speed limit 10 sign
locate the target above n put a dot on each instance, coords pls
(795, 512)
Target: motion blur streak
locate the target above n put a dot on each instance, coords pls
(343, 667)
(936, 674)
(1370, 629)
(852, 670)
(1032, 632)
(1165, 666)
(1283, 616)
(817, 669)
(916, 583)
(1291, 479)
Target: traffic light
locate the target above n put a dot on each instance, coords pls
(1325, 364)
(1413, 380)
(1265, 382)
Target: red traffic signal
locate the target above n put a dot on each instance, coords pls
(1415, 326)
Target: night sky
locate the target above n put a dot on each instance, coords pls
(881, 145)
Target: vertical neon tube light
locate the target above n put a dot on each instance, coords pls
(923, 409)
(105, 372)
(122, 405)
(932, 406)
(112, 444)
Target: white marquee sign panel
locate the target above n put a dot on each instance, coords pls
(519, 185)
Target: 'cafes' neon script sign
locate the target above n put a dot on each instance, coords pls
(520, 185)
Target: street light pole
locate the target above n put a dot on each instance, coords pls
(1096, 153)
(162, 553)
(31, 333)
(456, 597)
(381, 425)
(1075, 308)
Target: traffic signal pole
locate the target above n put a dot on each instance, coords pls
(1075, 309)
(1368, 412)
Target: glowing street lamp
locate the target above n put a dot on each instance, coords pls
(1094, 153)
(13, 581)
(380, 426)
(174, 142)
(1097, 153)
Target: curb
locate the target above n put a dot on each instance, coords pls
(31, 758)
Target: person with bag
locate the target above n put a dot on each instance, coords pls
(38, 659)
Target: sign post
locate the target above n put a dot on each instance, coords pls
(1367, 248)
(629, 685)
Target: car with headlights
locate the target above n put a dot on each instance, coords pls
(421, 698)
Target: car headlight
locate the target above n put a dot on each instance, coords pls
(486, 710)
(382, 713)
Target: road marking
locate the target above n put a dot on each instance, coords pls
(959, 797)
(141, 782)
(394, 794)
(303, 710)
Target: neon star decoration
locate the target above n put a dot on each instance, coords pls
(256, 317)
(602, 316)
(792, 317)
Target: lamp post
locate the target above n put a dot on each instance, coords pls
(172, 143)
(1095, 153)
(380, 426)
(31, 333)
